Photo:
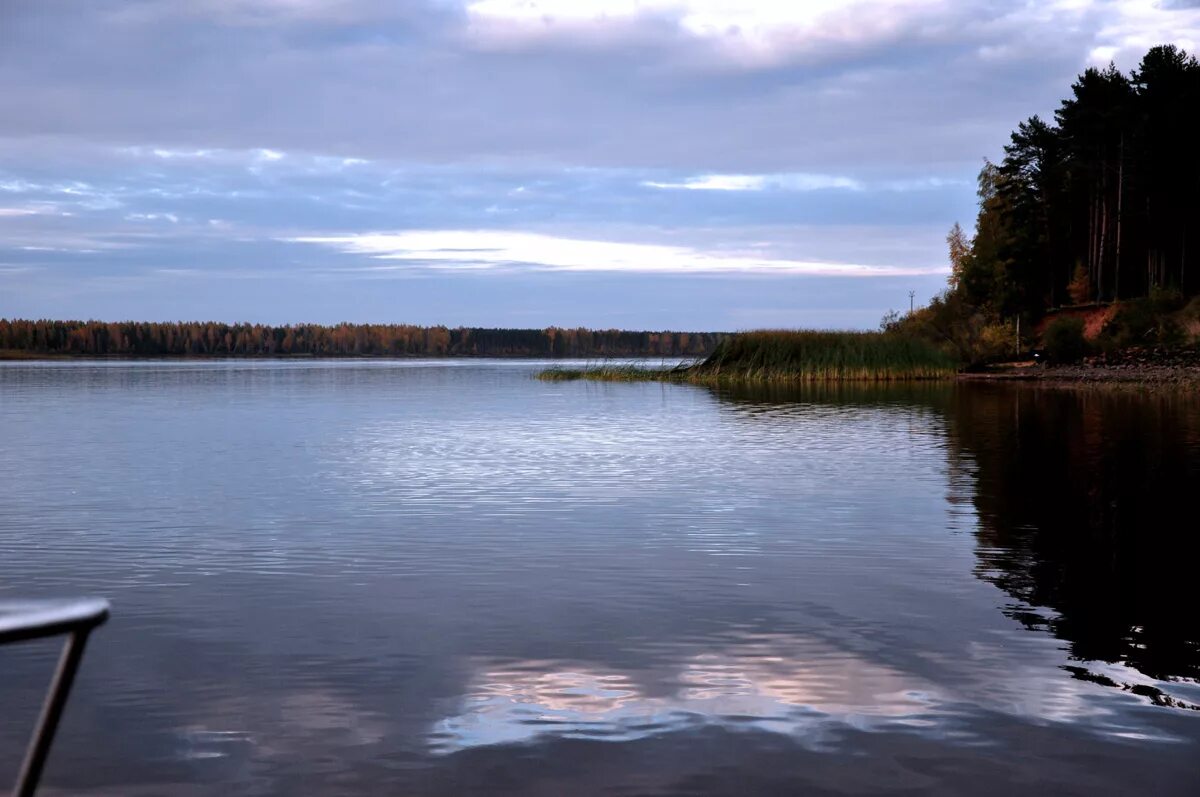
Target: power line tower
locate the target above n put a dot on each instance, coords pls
(911, 299)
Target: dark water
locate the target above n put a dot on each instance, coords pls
(451, 579)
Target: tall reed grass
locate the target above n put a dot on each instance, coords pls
(793, 356)
(803, 355)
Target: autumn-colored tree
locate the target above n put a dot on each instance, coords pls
(1080, 287)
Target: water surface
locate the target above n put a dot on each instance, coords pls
(448, 578)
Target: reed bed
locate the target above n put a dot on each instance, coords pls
(792, 356)
(617, 373)
(823, 356)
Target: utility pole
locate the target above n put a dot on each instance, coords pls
(911, 297)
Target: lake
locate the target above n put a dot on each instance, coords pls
(449, 578)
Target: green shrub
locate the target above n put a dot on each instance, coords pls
(1063, 340)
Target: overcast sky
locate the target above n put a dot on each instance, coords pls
(686, 164)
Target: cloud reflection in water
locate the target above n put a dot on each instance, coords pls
(752, 684)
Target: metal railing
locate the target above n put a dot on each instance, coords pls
(21, 621)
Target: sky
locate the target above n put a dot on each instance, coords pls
(646, 164)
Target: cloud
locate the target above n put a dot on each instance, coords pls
(716, 182)
(171, 217)
(834, 88)
(757, 35)
(759, 182)
(1133, 26)
(150, 242)
(492, 249)
(801, 182)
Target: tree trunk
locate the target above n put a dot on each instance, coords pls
(1120, 203)
(1103, 240)
(1149, 248)
(1182, 256)
(1093, 237)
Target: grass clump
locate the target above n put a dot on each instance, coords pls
(613, 373)
(793, 356)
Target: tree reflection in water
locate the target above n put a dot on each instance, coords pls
(1086, 504)
(1086, 507)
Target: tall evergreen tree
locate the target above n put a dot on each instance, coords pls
(1102, 204)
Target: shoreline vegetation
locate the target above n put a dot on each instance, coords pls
(1154, 371)
(790, 356)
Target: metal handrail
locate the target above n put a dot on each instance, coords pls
(21, 621)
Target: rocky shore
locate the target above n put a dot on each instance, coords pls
(1148, 366)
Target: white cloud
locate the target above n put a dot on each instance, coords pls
(701, 18)
(1134, 26)
(37, 209)
(799, 182)
(171, 217)
(923, 184)
(496, 249)
(173, 154)
(716, 182)
(751, 33)
(759, 182)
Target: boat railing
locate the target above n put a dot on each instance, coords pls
(21, 621)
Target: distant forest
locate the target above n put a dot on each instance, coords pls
(1101, 204)
(208, 339)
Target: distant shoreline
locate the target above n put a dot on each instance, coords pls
(21, 356)
(25, 338)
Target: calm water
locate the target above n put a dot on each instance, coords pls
(451, 579)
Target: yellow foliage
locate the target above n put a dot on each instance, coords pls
(996, 341)
(1080, 287)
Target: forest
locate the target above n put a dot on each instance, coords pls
(1100, 205)
(210, 339)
